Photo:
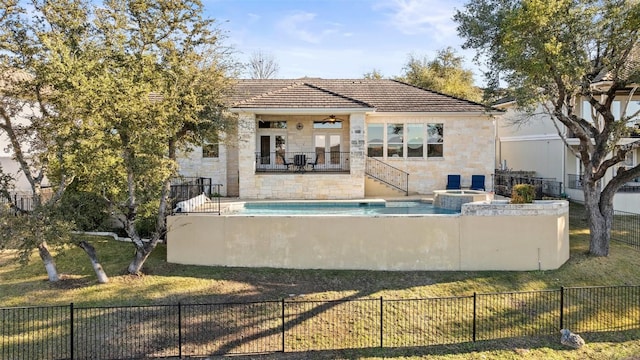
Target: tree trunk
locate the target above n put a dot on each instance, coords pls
(91, 252)
(142, 253)
(600, 217)
(49, 263)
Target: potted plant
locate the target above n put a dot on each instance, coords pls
(523, 194)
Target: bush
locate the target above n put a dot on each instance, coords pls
(88, 211)
(523, 194)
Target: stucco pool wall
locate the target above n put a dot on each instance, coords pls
(485, 236)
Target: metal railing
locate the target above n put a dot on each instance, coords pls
(387, 174)
(503, 183)
(19, 203)
(185, 189)
(302, 162)
(575, 182)
(195, 330)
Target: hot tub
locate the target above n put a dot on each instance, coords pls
(453, 199)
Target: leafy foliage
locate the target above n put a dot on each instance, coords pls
(85, 210)
(444, 74)
(523, 194)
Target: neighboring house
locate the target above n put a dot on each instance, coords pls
(9, 165)
(329, 139)
(533, 144)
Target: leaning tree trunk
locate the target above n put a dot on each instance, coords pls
(142, 253)
(600, 220)
(143, 250)
(49, 263)
(91, 252)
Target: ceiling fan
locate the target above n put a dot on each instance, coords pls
(332, 119)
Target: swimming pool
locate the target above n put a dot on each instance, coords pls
(362, 208)
(487, 235)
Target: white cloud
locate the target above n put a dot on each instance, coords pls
(253, 17)
(414, 17)
(293, 26)
(303, 26)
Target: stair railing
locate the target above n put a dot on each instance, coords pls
(387, 174)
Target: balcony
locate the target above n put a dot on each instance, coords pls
(575, 182)
(302, 162)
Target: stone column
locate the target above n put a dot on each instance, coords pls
(247, 154)
(357, 149)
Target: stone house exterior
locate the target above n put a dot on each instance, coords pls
(345, 139)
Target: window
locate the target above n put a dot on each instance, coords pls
(628, 160)
(327, 125)
(395, 140)
(415, 140)
(272, 124)
(588, 112)
(375, 138)
(435, 135)
(210, 151)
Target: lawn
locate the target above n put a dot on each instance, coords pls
(165, 283)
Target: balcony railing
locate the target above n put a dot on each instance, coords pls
(575, 182)
(302, 162)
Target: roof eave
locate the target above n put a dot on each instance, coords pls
(438, 113)
(302, 111)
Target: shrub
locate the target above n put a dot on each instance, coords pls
(88, 211)
(523, 194)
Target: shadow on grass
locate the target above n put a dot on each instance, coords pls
(502, 348)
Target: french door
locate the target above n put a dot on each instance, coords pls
(272, 150)
(327, 148)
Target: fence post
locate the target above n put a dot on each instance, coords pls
(71, 331)
(474, 315)
(179, 330)
(283, 325)
(381, 323)
(561, 307)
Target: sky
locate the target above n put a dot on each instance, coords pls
(339, 38)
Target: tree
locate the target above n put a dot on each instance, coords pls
(375, 74)
(33, 116)
(551, 53)
(444, 74)
(161, 87)
(262, 66)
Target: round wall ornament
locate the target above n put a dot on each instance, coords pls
(299, 126)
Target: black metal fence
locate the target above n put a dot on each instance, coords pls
(302, 162)
(504, 181)
(73, 332)
(626, 228)
(19, 202)
(186, 188)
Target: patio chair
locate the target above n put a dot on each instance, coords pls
(477, 182)
(284, 161)
(453, 182)
(314, 163)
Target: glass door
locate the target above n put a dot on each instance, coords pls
(272, 150)
(327, 148)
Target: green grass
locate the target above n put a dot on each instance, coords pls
(165, 283)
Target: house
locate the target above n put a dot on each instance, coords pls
(8, 164)
(316, 138)
(533, 143)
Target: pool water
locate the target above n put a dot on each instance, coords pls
(342, 208)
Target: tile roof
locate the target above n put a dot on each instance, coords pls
(382, 94)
